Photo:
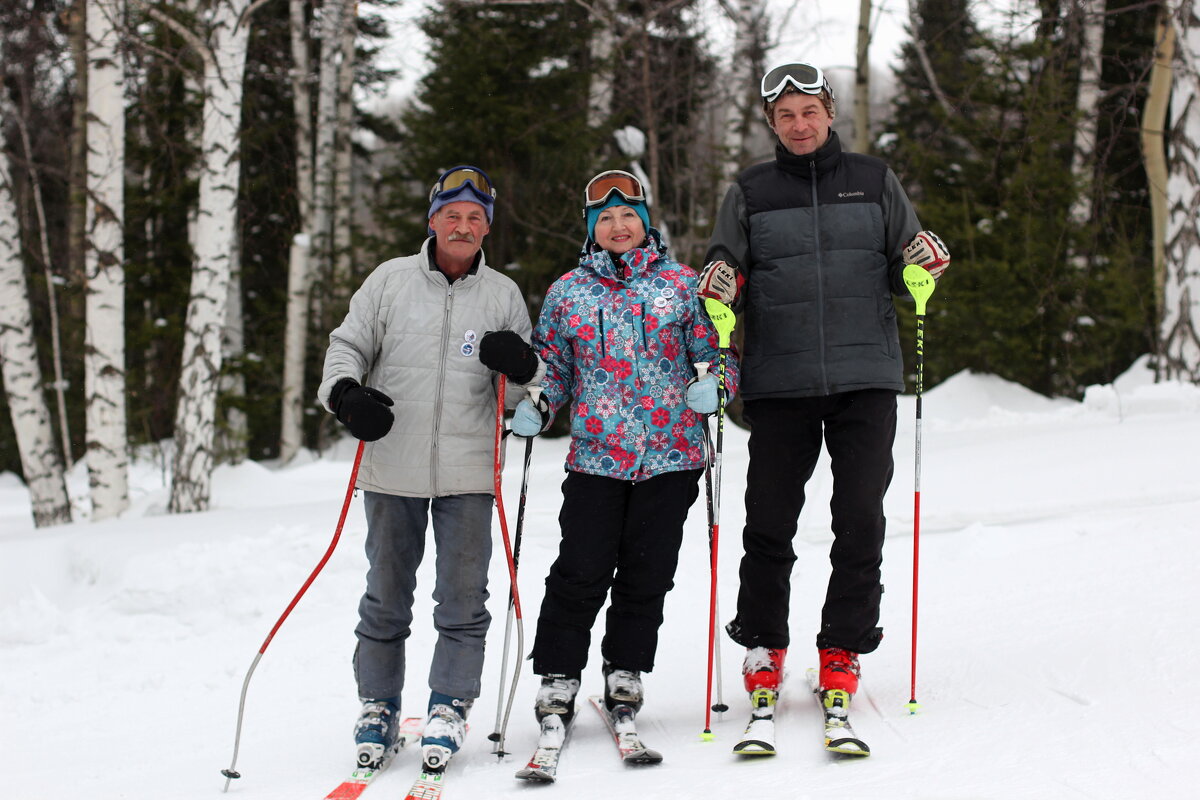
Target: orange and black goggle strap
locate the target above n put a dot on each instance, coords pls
(804, 77)
(614, 180)
(459, 177)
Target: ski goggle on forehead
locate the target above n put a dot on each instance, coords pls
(613, 180)
(803, 77)
(459, 177)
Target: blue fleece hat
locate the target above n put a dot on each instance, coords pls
(615, 199)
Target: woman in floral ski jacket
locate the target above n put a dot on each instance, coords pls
(620, 336)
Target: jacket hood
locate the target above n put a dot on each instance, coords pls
(629, 264)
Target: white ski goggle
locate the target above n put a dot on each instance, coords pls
(803, 77)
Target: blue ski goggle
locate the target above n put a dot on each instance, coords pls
(455, 179)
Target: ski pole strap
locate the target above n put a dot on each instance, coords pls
(920, 285)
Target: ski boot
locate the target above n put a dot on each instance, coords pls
(376, 732)
(839, 670)
(445, 729)
(622, 687)
(763, 668)
(556, 695)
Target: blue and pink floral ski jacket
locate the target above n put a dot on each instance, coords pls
(619, 336)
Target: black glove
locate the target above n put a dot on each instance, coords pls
(506, 352)
(363, 410)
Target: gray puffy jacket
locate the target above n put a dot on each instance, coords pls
(820, 239)
(415, 336)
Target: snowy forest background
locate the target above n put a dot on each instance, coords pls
(190, 190)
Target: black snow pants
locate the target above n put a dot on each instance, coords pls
(617, 535)
(858, 429)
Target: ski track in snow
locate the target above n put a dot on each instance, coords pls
(1057, 572)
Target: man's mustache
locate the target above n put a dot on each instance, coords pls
(461, 237)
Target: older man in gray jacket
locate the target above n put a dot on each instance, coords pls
(820, 238)
(423, 339)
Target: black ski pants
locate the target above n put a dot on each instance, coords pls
(858, 429)
(621, 536)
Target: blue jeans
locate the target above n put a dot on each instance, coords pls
(462, 528)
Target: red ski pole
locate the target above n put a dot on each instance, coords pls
(232, 772)
(723, 320)
(921, 285)
(510, 554)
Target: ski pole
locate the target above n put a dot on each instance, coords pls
(232, 772)
(723, 320)
(715, 615)
(511, 554)
(921, 285)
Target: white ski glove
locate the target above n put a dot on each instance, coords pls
(926, 250)
(721, 281)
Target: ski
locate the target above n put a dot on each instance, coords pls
(835, 704)
(360, 778)
(428, 785)
(543, 764)
(759, 738)
(621, 725)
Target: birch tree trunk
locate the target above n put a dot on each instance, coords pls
(77, 182)
(1086, 20)
(1087, 106)
(603, 42)
(233, 435)
(325, 155)
(295, 338)
(21, 374)
(1180, 326)
(343, 183)
(746, 66)
(56, 355)
(104, 340)
(862, 80)
(224, 59)
(1154, 150)
(318, 258)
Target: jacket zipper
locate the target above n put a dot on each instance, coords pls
(820, 281)
(441, 383)
(602, 337)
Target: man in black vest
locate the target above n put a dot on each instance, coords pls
(811, 247)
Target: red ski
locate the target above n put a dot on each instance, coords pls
(360, 779)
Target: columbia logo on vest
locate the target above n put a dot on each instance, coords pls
(851, 194)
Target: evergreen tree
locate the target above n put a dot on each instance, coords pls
(507, 92)
(161, 151)
(993, 178)
(666, 79)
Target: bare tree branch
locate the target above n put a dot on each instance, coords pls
(914, 18)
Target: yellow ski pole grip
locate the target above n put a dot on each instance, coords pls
(920, 285)
(723, 320)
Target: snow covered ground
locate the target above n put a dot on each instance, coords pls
(1058, 554)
